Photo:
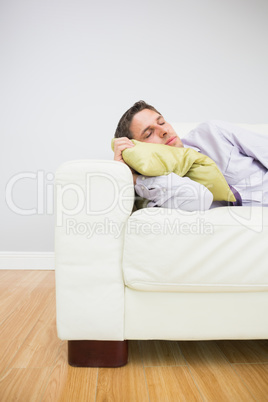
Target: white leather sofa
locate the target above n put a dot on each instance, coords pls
(155, 273)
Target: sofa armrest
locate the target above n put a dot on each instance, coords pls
(94, 199)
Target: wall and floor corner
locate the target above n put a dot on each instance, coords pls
(70, 69)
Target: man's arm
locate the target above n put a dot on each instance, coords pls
(170, 191)
(250, 143)
(173, 191)
(120, 144)
(221, 140)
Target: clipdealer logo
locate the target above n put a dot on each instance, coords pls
(43, 187)
(97, 194)
(100, 194)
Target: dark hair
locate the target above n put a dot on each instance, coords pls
(122, 129)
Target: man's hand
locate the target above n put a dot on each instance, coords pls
(119, 145)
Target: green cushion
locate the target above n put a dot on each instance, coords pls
(156, 160)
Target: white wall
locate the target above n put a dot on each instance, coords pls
(70, 68)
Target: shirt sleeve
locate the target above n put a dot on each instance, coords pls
(173, 191)
(249, 142)
(219, 140)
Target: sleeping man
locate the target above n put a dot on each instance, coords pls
(241, 156)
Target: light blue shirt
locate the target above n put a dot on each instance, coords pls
(240, 154)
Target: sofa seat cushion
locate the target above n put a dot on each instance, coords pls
(223, 249)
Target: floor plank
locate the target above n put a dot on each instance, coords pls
(10, 300)
(247, 351)
(41, 346)
(124, 384)
(4, 278)
(34, 278)
(213, 374)
(255, 376)
(8, 349)
(12, 277)
(22, 278)
(20, 322)
(67, 383)
(33, 361)
(23, 384)
(158, 353)
(169, 384)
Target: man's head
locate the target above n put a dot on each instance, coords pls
(123, 128)
(144, 123)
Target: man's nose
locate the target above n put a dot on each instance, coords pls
(162, 132)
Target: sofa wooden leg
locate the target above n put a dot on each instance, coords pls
(97, 353)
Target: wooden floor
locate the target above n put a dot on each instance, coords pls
(33, 361)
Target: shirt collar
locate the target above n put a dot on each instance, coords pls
(187, 146)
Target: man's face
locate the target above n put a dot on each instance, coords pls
(149, 126)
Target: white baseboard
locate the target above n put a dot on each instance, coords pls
(27, 260)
